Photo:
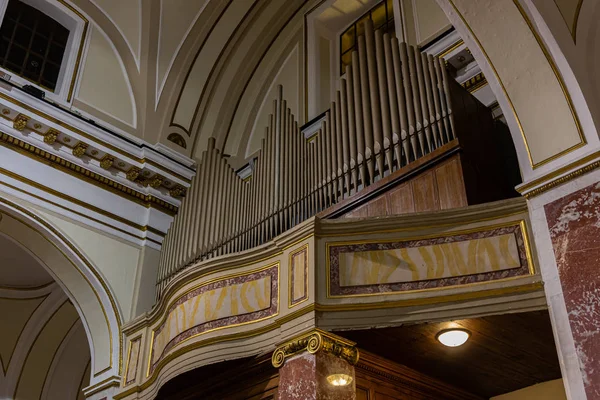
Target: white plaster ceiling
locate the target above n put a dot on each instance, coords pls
(18, 269)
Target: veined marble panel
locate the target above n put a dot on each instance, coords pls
(224, 302)
(456, 259)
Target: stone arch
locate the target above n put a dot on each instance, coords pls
(80, 280)
(545, 125)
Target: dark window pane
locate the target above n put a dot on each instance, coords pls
(347, 41)
(23, 35)
(346, 60)
(17, 55)
(56, 53)
(379, 17)
(36, 47)
(39, 45)
(360, 27)
(390, 10)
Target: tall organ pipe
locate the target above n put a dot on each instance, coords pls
(392, 107)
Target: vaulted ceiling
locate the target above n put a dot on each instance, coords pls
(199, 68)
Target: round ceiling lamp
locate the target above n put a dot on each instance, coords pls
(453, 337)
(339, 379)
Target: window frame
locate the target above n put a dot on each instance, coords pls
(388, 21)
(77, 25)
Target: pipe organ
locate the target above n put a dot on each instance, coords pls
(394, 105)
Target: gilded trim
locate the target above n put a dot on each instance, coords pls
(313, 342)
(91, 137)
(563, 179)
(86, 175)
(451, 48)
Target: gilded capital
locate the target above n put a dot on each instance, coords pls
(51, 136)
(20, 122)
(79, 149)
(313, 342)
(133, 173)
(177, 191)
(107, 161)
(156, 181)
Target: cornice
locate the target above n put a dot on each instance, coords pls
(85, 174)
(124, 160)
(560, 175)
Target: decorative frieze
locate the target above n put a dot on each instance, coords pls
(107, 161)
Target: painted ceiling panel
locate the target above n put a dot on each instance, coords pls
(126, 15)
(177, 17)
(112, 93)
(14, 314)
(208, 56)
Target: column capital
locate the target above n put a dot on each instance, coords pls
(314, 341)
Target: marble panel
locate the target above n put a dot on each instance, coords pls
(224, 302)
(133, 360)
(447, 260)
(574, 223)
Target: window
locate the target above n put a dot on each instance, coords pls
(382, 16)
(32, 45)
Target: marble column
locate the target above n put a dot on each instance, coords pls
(308, 361)
(574, 224)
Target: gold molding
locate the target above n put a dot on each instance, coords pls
(524, 288)
(475, 83)
(85, 261)
(86, 175)
(90, 137)
(521, 223)
(451, 48)
(563, 179)
(313, 342)
(80, 203)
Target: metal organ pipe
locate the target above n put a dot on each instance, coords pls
(392, 107)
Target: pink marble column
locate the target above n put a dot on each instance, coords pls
(574, 223)
(304, 377)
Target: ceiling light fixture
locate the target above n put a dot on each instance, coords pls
(453, 337)
(339, 379)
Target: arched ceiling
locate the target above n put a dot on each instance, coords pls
(192, 65)
(18, 268)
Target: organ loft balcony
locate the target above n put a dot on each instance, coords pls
(299, 199)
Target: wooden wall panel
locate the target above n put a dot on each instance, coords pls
(425, 192)
(450, 184)
(401, 200)
(439, 188)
